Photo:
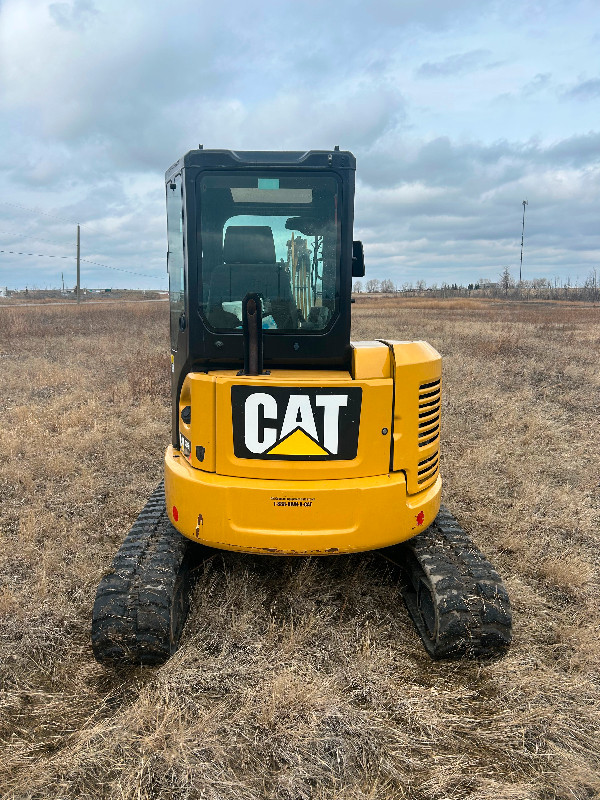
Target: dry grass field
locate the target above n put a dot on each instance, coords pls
(300, 678)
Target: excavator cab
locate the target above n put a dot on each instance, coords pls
(288, 438)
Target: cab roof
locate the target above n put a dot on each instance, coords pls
(247, 159)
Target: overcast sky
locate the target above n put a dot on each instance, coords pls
(456, 110)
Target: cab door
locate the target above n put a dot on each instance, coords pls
(177, 289)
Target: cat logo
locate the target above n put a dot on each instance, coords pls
(295, 424)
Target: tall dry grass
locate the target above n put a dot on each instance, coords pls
(300, 678)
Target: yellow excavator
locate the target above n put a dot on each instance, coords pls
(288, 438)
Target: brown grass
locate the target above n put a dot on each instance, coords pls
(300, 678)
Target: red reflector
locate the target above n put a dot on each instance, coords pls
(175, 513)
(420, 518)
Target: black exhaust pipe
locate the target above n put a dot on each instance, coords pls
(253, 335)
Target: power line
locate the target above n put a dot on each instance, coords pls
(37, 211)
(39, 255)
(20, 235)
(120, 269)
(87, 261)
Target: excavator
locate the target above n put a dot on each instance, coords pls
(288, 438)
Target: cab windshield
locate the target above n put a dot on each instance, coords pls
(275, 236)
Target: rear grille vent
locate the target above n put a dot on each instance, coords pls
(428, 468)
(429, 414)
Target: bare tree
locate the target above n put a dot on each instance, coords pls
(387, 286)
(525, 288)
(542, 287)
(372, 285)
(591, 285)
(506, 280)
(421, 286)
(358, 287)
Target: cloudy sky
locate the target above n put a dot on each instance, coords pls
(457, 110)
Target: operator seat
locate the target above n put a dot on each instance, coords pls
(249, 265)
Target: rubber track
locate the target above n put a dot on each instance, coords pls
(141, 603)
(466, 608)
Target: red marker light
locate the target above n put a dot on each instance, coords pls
(420, 518)
(175, 513)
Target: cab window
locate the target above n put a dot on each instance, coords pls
(175, 258)
(277, 236)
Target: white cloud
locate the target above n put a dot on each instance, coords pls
(455, 64)
(98, 97)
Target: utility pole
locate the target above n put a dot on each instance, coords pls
(525, 203)
(78, 265)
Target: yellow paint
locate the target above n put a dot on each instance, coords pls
(297, 444)
(198, 392)
(291, 377)
(315, 506)
(414, 364)
(295, 517)
(373, 455)
(371, 360)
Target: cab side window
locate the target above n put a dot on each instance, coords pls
(175, 259)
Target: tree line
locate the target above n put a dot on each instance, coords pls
(506, 286)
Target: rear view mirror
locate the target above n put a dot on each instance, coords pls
(358, 260)
(309, 226)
